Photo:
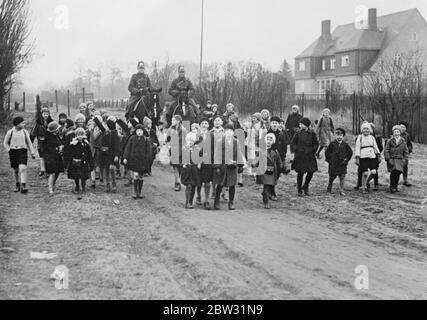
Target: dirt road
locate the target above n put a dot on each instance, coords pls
(304, 248)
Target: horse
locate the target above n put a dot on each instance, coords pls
(148, 106)
(183, 107)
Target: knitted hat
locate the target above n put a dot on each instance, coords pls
(133, 122)
(178, 118)
(257, 115)
(275, 119)
(53, 127)
(80, 118)
(326, 110)
(228, 127)
(45, 109)
(191, 138)
(17, 121)
(82, 106)
(139, 127)
(272, 136)
(366, 125)
(146, 121)
(306, 122)
(111, 125)
(340, 130)
(112, 118)
(230, 105)
(397, 128)
(62, 116)
(295, 107)
(266, 111)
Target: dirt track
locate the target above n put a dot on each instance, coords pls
(155, 249)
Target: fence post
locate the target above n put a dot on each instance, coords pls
(83, 93)
(56, 100)
(68, 102)
(23, 101)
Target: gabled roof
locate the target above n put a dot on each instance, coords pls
(348, 38)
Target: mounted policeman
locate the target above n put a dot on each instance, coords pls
(184, 105)
(139, 87)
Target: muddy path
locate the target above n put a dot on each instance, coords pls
(304, 248)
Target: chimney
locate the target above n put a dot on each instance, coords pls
(372, 19)
(326, 29)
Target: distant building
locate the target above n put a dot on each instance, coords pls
(342, 58)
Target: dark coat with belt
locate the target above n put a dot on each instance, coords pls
(305, 144)
(396, 154)
(338, 155)
(138, 154)
(274, 168)
(79, 160)
(224, 173)
(292, 123)
(52, 154)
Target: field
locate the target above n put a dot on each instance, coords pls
(303, 248)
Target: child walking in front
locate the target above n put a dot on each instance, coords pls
(190, 173)
(137, 157)
(338, 154)
(17, 143)
(274, 167)
(79, 160)
(368, 156)
(405, 135)
(53, 152)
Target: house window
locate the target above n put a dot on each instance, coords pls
(415, 36)
(345, 86)
(323, 64)
(397, 58)
(302, 87)
(345, 61)
(333, 62)
(302, 66)
(323, 86)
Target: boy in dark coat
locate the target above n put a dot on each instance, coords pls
(405, 135)
(229, 161)
(274, 165)
(129, 131)
(109, 152)
(338, 154)
(292, 123)
(190, 174)
(396, 156)
(43, 119)
(79, 160)
(305, 144)
(207, 144)
(137, 157)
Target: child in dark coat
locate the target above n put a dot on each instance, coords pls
(207, 144)
(273, 165)
(305, 144)
(43, 119)
(129, 131)
(79, 160)
(53, 153)
(190, 171)
(150, 133)
(109, 152)
(338, 154)
(137, 157)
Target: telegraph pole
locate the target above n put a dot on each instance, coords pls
(201, 46)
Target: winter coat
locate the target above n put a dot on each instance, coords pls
(325, 130)
(79, 160)
(274, 168)
(282, 142)
(292, 123)
(305, 144)
(408, 140)
(396, 154)
(39, 131)
(52, 153)
(338, 155)
(138, 154)
(225, 174)
(110, 140)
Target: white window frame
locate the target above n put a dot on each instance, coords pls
(323, 64)
(345, 61)
(333, 63)
(301, 65)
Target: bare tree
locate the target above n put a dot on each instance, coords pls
(15, 48)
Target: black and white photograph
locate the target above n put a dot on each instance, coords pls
(201, 151)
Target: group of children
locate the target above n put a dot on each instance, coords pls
(210, 155)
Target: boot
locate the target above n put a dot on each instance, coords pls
(24, 190)
(207, 206)
(300, 193)
(17, 187)
(216, 203)
(93, 185)
(188, 202)
(231, 206)
(135, 189)
(267, 205)
(76, 190)
(140, 185)
(329, 188)
(305, 189)
(108, 188)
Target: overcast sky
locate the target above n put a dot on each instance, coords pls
(126, 31)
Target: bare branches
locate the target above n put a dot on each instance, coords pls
(15, 51)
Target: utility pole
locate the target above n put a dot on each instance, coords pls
(201, 45)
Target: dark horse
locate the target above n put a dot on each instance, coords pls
(148, 106)
(184, 107)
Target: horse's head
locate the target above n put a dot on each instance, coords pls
(155, 94)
